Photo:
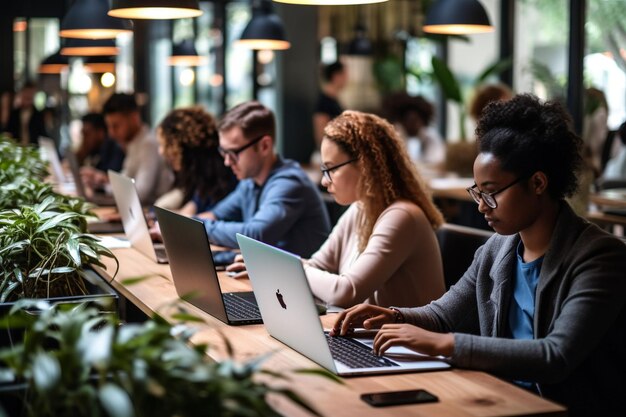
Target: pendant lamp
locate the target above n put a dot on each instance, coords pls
(457, 17)
(154, 9)
(89, 47)
(88, 19)
(185, 54)
(329, 2)
(265, 30)
(99, 64)
(54, 64)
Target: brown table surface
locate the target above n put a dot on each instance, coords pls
(460, 392)
(614, 198)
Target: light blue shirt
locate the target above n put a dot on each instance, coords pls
(522, 308)
(287, 212)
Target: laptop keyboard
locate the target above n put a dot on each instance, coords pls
(355, 355)
(160, 252)
(238, 308)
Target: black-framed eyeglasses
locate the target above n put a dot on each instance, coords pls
(233, 154)
(327, 170)
(489, 198)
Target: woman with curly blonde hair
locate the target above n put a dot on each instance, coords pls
(188, 141)
(383, 250)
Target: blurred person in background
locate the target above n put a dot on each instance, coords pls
(26, 123)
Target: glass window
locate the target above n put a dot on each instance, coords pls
(238, 59)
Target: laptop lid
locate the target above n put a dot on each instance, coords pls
(49, 149)
(131, 212)
(289, 313)
(192, 266)
(75, 170)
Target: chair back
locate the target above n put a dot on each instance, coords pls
(457, 245)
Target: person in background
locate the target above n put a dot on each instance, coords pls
(595, 128)
(544, 302)
(96, 149)
(383, 250)
(412, 117)
(334, 79)
(616, 167)
(26, 123)
(142, 161)
(486, 94)
(275, 201)
(189, 142)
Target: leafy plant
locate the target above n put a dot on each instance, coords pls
(44, 248)
(453, 90)
(19, 162)
(96, 367)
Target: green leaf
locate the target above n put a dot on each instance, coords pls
(185, 317)
(449, 84)
(320, 372)
(72, 247)
(494, 69)
(63, 270)
(135, 280)
(115, 401)
(46, 372)
(56, 220)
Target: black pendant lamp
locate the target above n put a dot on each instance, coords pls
(265, 30)
(457, 17)
(88, 19)
(154, 9)
(54, 64)
(89, 47)
(99, 64)
(185, 54)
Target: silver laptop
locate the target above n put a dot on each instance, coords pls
(194, 272)
(289, 313)
(49, 153)
(133, 220)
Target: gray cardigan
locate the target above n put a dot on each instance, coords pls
(578, 355)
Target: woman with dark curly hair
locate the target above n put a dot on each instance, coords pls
(188, 141)
(543, 303)
(383, 250)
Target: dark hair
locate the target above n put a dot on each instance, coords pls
(190, 136)
(253, 118)
(621, 131)
(96, 120)
(527, 136)
(397, 105)
(329, 71)
(120, 103)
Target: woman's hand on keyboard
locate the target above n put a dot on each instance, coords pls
(362, 315)
(237, 269)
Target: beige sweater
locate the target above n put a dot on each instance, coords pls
(400, 266)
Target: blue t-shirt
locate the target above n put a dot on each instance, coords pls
(287, 211)
(522, 308)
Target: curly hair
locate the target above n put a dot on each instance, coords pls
(527, 136)
(387, 173)
(190, 141)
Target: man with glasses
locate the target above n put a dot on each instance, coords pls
(275, 201)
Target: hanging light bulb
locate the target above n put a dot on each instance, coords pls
(154, 9)
(457, 17)
(265, 30)
(88, 19)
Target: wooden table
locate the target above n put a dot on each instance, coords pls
(611, 198)
(460, 392)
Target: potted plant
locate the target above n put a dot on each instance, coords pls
(94, 366)
(460, 155)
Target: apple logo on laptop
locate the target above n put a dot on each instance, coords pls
(279, 296)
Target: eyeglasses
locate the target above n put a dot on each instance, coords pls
(489, 198)
(327, 170)
(233, 154)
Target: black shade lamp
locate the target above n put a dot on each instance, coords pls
(99, 64)
(88, 19)
(457, 17)
(54, 64)
(185, 54)
(89, 47)
(265, 30)
(154, 9)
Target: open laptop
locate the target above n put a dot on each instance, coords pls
(193, 271)
(49, 153)
(133, 220)
(289, 313)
